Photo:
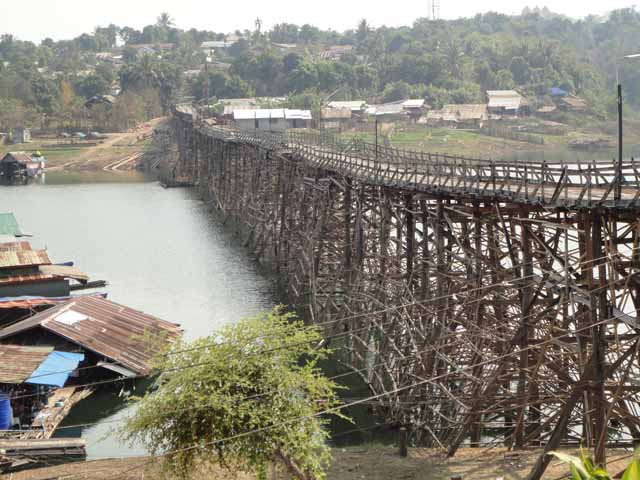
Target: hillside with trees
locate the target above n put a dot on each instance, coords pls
(48, 85)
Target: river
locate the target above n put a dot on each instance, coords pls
(159, 250)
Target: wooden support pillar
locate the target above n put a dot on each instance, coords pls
(410, 241)
(599, 311)
(526, 296)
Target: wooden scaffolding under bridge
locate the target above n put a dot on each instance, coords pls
(477, 299)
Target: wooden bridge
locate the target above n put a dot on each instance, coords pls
(483, 302)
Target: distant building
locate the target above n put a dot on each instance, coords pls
(335, 117)
(277, 120)
(572, 103)
(415, 107)
(152, 48)
(21, 165)
(388, 112)
(209, 45)
(505, 102)
(21, 135)
(356, 106)
(546, 109)
(336, 52)
(460, 115)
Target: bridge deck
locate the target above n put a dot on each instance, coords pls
(549, 184)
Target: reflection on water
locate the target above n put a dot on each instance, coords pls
(160, 252)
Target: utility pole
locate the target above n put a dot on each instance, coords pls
(619, 177)
(376, 124)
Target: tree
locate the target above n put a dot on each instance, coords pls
(165, 20)
(91, 86)
(246, 397)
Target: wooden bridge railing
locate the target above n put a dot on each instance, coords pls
(550, 184)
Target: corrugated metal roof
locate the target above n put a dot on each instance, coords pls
(507, 99)
(297, 114)
(271, 113)
(9, 225)
(460, 112)
(24, 258)
(259, 114)
(14, 246)
(104, 327)
(336, 113)
(386, 109)
(414, 103)
(30, 278)
(354, 105)
(29, 301)
(65, 272)
(22, 157)
(18, 363)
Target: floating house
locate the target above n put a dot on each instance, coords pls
(16, 166)
(111, 336)
(48, 360)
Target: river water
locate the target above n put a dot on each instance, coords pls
(161, 253)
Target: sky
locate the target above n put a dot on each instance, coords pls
(64, 19)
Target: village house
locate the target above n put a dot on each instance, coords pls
(459, 116)
(357, 107)
(571, 103)
(40, 356)
(21, 166)
(505, 102)
(278, 119)
(112, 336)
(336, 52)
(415, 108)
(388, 112)
(335, 118)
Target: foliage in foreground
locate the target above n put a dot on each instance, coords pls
(583, 467)
(256, 384)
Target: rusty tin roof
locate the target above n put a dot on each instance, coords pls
(103, 327)
(14, 246)
(18, 362)
(24, 258)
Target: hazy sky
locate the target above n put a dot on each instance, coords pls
(59, 19)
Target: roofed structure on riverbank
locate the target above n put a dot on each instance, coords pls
(109, 331)
(468, 114)
(505, 102)
(36, 365)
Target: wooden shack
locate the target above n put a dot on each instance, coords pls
(21, 165)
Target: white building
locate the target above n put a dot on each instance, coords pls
(276, 120)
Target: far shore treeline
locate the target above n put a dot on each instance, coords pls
(141, 72)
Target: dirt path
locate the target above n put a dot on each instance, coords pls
(355, 463)
(118, 152)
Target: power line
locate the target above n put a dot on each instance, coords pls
(370, 398)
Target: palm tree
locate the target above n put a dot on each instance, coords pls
(146, 72)
(165, 20)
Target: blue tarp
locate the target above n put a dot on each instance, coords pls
(558, 92)
(55, 369)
